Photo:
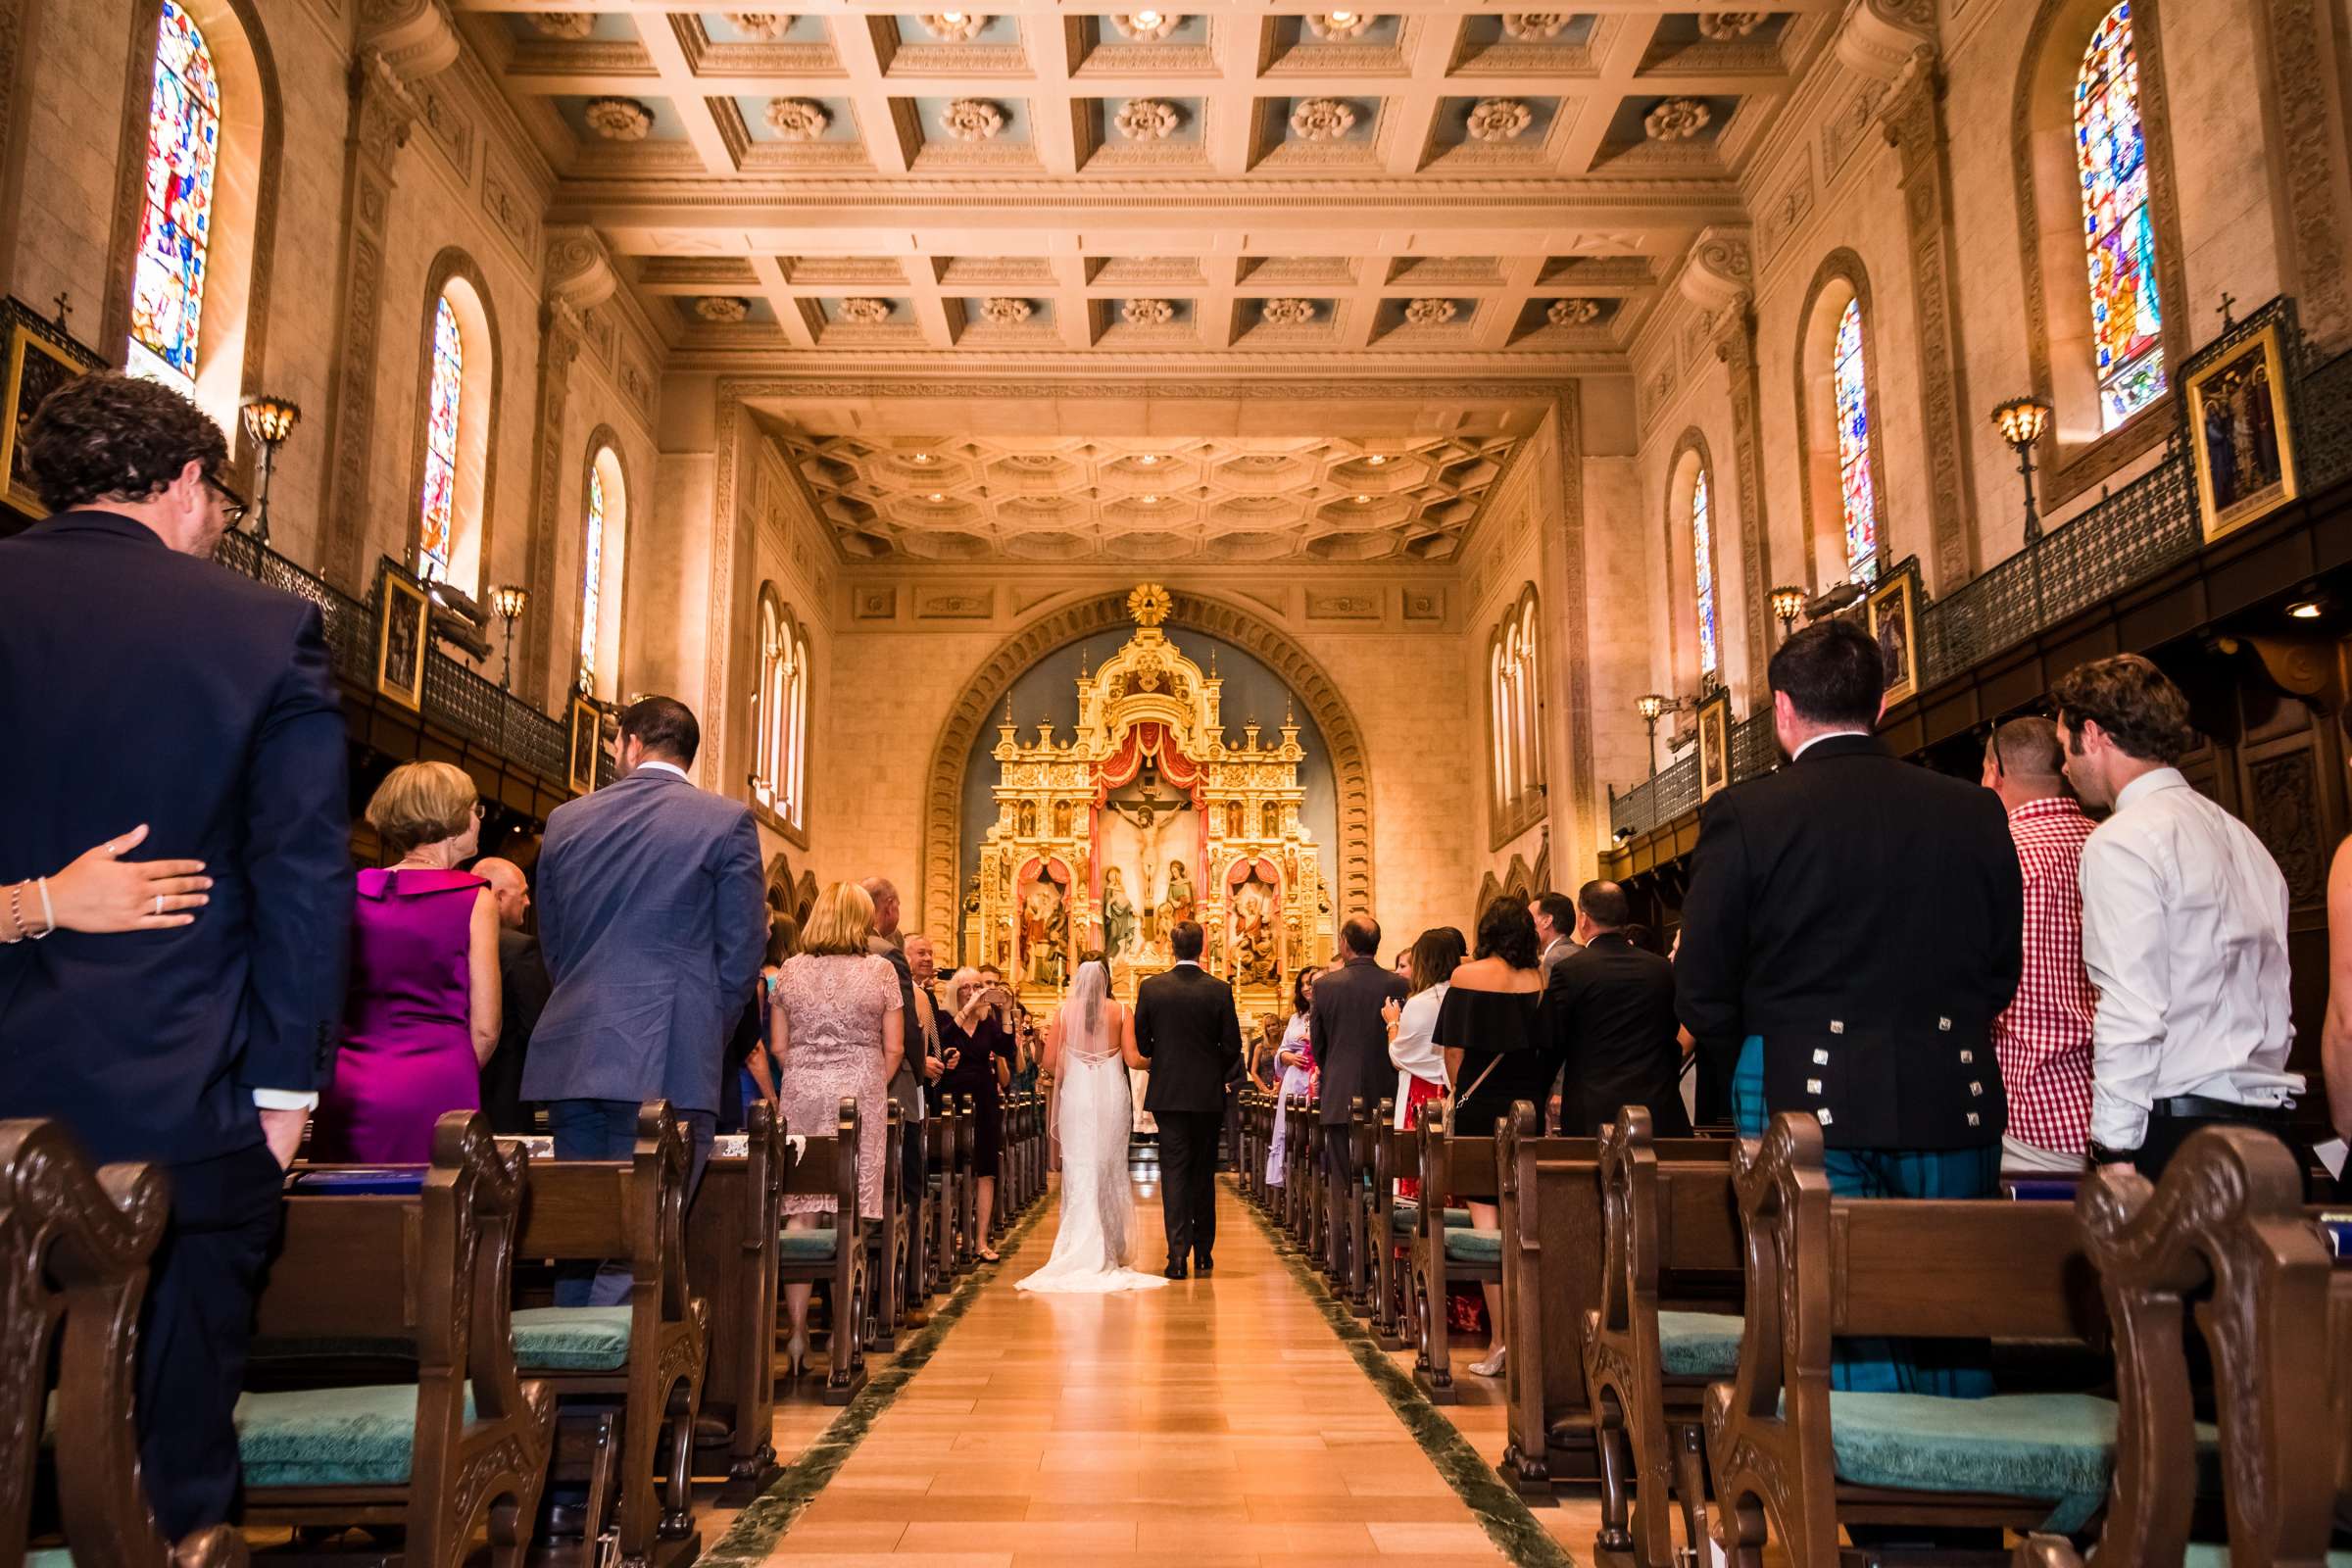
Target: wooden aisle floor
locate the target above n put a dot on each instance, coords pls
(1215, 1422)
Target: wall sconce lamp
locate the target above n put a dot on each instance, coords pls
(1788, 603)
(510, 600)
(268, 420)
(2021, 421)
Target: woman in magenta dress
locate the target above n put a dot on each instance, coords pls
(421, 1010)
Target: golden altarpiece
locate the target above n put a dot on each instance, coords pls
(1105, 838)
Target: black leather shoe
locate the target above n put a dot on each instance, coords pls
(1175, 1271)
(1204, 1265)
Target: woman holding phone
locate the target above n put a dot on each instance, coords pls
(975, 1040)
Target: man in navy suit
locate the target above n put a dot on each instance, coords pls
(139, 683)
(652, 918)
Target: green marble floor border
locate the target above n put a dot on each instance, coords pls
(1506, 1519)
(765, 1519)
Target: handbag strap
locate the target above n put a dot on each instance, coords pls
(1455, 1100)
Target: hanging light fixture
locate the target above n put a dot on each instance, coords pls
(268, 420)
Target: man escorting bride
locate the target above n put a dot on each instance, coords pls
(1185, 1024)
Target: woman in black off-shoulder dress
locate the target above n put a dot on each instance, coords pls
(1494, 1053)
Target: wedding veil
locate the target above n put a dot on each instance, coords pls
(1084, 1030)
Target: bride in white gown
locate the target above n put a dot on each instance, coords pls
(1092, 1116)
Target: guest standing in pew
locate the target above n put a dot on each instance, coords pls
(1610, 1020)
(2183, 929)
(920, 1067)
(181, 1010)
(652, 917)
(1294, 1070)
(1852, 928)
(1348, 1040)
(2044, 1037)
(838, 1032)
(1413, 1030)
(422, 1012)
(522, 987)
(1496, 1053)
(1556, 929)
(975, 1041)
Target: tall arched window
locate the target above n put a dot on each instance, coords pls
(1702, 548)
(436, 534)
(602, 545)
(781, 744)
(1857, 497)
(1513, 717)
(184, 144)
(2111, 158)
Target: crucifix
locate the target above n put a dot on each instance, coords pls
(2227, 299)
(64, 308)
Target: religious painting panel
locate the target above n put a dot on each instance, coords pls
(587, 735)
(1254, 941)
(1044, 913)
(1895, 627)
(1714, 742)
(36, 367)
(399, 642)
(2238, 430)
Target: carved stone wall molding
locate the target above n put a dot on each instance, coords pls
(976, 710)
(2305, 108)
(413, 36)
(1570, 674)
(1879, 36)
(1913, 122)
(1735, 347)
(559, 342)
(580, 268)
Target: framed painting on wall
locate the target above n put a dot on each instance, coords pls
(36, 367)
(1714, 742)
(587, 739)
(1895, 627)
(2238, 428)
(402, 614)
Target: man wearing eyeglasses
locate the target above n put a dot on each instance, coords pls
(194, 1024)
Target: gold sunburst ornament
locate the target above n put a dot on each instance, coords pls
(1149, 604)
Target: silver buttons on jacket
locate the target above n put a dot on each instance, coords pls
(1837, 1026)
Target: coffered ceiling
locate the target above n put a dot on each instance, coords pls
(1141, 501)
(1195, 190)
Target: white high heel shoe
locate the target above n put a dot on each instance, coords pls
(1492, 1366)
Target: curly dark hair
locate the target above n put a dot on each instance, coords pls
(1506, 931)
(2137, 704)
(110, 436)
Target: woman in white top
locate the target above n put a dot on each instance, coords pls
(1294, 1062)
(1413, 1028)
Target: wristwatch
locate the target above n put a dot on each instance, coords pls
(2100, 1155)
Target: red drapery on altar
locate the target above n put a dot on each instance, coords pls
(1150, 738)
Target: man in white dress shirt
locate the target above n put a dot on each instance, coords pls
(2183, 928)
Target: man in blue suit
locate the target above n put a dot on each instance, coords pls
(139, 683)
(652, 918)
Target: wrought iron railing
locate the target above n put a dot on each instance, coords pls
(2121, 539)
(457, 698)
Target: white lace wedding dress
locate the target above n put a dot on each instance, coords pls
(1092, 1118)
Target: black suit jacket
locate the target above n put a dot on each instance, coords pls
(1349, 1038)
(1863, 915)
(523, 988)
(141, 685)
(1610, 1008)
(1185, 1027)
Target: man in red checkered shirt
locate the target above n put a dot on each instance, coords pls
(2043, 1039)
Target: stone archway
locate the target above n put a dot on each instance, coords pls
(943, 795)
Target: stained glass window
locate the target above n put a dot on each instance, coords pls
(2127, 320)
(438, 524)
(1702, 545)
(184, 144)
(781, 721)
(1855, 492)
(592, 577)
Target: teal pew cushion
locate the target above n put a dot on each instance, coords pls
(2204, 1556)
(1699, 1344)
(349, 1437)
(1407, 1215)
(2020, 1444)
(1466, 1246)
(811, 1246)
(571, 1339)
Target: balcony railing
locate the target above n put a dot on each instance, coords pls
(2118, 541)
(457, 698)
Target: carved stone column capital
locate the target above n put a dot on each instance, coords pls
(416, 37)
(1720, 272)
(1880, 36)
(580, 271)
(1908, 116)
(1733, 332)
(382, 109)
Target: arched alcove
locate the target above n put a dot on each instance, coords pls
(1839, 282)
(604, 511)
(456, 279)
(1692, 461)
(1104, 616)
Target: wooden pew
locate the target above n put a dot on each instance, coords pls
(731, 1231)
(2225, 1231)
(1354, 1232)
(885, 1242)
(425, 1276)
(73, 1250)
(1665, 1328)
(1821, 1268)
(1452, 1170)
(1293, 1165)
(943, 1200)
(648, 1355)
(834, 1258)
(1393, 1157)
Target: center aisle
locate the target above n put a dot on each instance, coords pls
(1213, 1422)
